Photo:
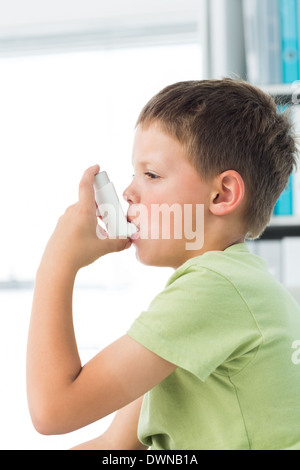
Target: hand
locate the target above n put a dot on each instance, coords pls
(78, 240)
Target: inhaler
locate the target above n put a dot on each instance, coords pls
(110, 208)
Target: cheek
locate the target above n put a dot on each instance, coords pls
(158, 220)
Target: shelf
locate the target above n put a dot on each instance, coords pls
(282, 227)
(280, 89)
(286, 221)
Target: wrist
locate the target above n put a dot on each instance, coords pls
(57, 266)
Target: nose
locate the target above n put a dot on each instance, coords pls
(130, 194)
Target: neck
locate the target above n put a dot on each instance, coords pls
(212, 244)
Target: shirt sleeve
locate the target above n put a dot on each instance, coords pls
(198, 322)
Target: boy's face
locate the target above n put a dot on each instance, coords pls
(163, 175)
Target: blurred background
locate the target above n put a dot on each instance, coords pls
(74, 75)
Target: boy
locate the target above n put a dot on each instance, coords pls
(210, 364)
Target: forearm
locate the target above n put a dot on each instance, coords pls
(122, 434)
(53, 361)
(61, 397)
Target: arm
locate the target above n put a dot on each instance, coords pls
(122, 433)
(63, 395)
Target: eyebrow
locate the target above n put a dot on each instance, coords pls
(154, 161)
(141, 163)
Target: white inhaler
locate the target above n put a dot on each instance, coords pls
(110, 208)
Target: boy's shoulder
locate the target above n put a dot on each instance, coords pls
(231, 264)
(234, 275)
(234, 279)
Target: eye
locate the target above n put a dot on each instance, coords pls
(151, 176)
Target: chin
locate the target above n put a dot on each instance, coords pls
(153, 261)
(155, 257)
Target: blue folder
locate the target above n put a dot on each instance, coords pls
(290, 40)
(284, 205)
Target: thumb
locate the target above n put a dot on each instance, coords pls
(86, 187)
(111, 245)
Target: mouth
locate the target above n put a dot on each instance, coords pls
(136, 235)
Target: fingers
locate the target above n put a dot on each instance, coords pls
(120, 244)
(101, 233)
(117, 244)
(86, 186)
(87, 200)
(110, 245)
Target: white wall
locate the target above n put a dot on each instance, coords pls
(218, 22)
(28, 16)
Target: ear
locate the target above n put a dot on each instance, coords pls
(229, 192)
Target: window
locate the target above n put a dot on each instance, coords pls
(60, 114)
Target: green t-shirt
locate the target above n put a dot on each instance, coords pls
(230, 327)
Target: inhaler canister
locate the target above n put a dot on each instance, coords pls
(110, 208)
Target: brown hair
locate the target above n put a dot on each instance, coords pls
(230, 125)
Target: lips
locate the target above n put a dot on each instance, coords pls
(136, 235)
